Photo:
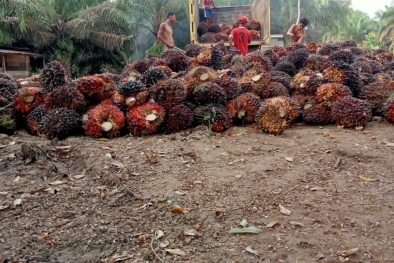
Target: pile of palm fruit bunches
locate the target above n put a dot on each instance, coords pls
(335, 83)
(216, 32)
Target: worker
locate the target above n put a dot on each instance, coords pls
(207, 5)
(165, 31)
(297, 31)
(240, 37)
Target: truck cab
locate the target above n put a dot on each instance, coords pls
(258, 9)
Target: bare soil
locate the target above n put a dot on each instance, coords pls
(105, 201)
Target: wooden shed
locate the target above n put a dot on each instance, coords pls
(16, 62)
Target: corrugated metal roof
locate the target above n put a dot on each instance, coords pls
(8, 51)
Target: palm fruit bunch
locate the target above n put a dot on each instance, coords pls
(317, 114)
(179, 117)
(294, 46)
(216, 58)
(365, 66)
(351, 112)
(214, 28)
(381, 56)
(8, 89)
(255, 35)
(175, 59)
(366, 79)
(273, 116)
(303, 101)
(347, 44)
(65, 97)
(328, 49)
(145, 119)
(238, 66)
(202, 28)
(129, 95)
(243, 108)
(153, 76)
(255, 82)
(53, 75)
(204, 58)
(60, 123)
(104, 121)
(211, 37)
(274, 54)
(258, 58)
(33, 120)
(189, 104)
(298, 57)
(196, 77)
(226, 29)
(140, 66)
(159, 63)
(26, 99)
(331, 92)
(382, 77)
(168, 93)
(230, 86)
(286, 67)
(388, 109)
(292, 107)
(130, 74)
(306, 82)
(342, 73)
(255, 25)
(281, 77)
(94, 85)
(341, 55)
(209, 93)
(192, 50)
(213, 116)
(312, 48)
(314, 63)
(277, 89)
(376, 94)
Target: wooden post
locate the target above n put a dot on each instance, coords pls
(3, 62)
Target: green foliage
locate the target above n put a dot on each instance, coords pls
(386, 31)
(371, 41)
(155, 50)
(5, 119)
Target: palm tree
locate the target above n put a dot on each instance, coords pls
(386, 31)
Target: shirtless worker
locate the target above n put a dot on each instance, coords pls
(240, 37)
(165, 31)
(297, 32)
(207, 6)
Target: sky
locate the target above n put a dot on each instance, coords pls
(370, 6)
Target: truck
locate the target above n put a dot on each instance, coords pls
(258, 9)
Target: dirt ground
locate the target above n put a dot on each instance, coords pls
(176, 197)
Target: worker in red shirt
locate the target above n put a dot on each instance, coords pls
(240, 37)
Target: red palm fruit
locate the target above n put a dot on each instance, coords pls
(257, 57)
(209, 93)
(53, 76)
(230, 86)
(332, 92)
(351, 112)
(179, 118)
(312, 48)
(314, 63)
(130, 94)
(273, 116)
(306, 82)
(168, 93)
(145, 119)
(26, 99)
(340, 72)
(243, 109)
(61, 123)
(317, 114)
(104, 121)
(277, 89)
(93, 85)
(389, 110)
(376, 94)
(65, 97)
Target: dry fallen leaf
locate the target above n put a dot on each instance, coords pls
(284, 210)
(289, 159)
(191, 232)
(176, 251)
(57, 183)
(179, 193)
(390, 144)
(272, 224)
(231, 251)
(3, 193)
(366, 179)
(159, 234)
(3, 207)
(349, 252)
(251, 250)
(79, 176)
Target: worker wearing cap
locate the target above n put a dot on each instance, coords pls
(240, 37)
